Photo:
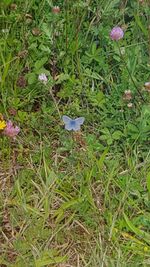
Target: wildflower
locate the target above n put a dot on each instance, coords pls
(56, 9)
(116, 33)
(2, 122)
(10, 130)
(42, 78)
(147, 86)
(71, 124)
(127, 95)
(130, 105)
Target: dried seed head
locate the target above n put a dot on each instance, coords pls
(21, 82)
(25, 70)
(127, 95)
(23, 54)
(56, 9)
(13, 6)
(36, 32)
(147, 86)
(142, 2)
(12, 111)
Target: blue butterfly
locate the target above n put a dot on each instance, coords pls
(72, 124)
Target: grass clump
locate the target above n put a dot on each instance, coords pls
(74, 198)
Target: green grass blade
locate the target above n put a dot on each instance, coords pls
(140, 24)
(148, 182)
(140, 233)
(45, 261)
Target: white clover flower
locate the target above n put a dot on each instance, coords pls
(42, 78)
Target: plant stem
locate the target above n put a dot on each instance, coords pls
(130, 75)
(66, 24)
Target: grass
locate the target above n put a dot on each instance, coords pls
(73, 199)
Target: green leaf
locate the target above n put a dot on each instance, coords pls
(93, 75)
(141, 25)
(7, 2)
(111, 5)
(117, 135)
(109, 141)
(22, 116)
(100, 162)
(39, 63)
(6, 69)
(62, 77)
(68, 204)
(61, 211)
(31, 78)
(140, 233)
(97, 99)
(132, 128)
(103, 137)
(42, 70)
(45, 260)
(47, 30)
(146, 110)
(44, 48)
(33, 210)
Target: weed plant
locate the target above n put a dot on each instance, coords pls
(75, 198)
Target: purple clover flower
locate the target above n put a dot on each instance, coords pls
(10, 130)
(116, 33)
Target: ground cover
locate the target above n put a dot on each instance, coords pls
(80, 197)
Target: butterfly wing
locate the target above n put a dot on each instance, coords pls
(67, 121)
(78, 122)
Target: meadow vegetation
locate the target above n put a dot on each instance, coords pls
(74, 198)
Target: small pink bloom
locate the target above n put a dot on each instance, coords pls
(116, 33)
(10, 130)
(56, 9)
(42, 78)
